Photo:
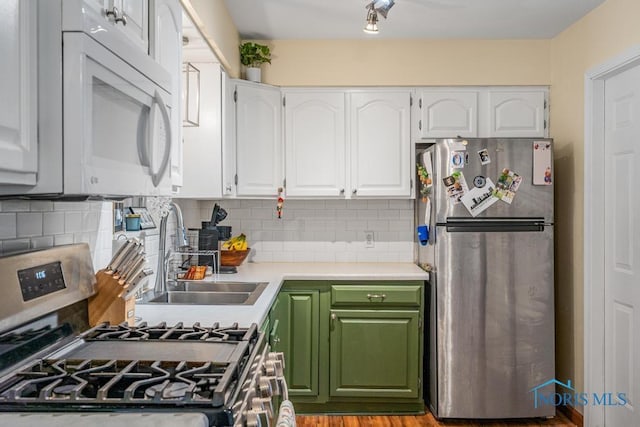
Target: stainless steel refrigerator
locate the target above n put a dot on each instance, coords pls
(488, 205)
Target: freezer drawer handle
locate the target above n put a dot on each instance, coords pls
(377, 296)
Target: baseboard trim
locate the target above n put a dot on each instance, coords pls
(574, 416)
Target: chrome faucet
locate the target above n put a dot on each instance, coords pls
(163, 254)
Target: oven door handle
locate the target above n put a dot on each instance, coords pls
(144, 146)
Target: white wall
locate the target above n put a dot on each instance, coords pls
(316, 230)
(28, 225)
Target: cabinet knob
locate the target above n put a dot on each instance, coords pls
(342, 191)
(112, 12)
(122, 19)
(333, 316)
(355, 191)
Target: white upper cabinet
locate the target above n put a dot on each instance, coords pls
(229, 180)
(380, 144)
(516, 113)
(258, 139)
(449, 113)
(484, 112)
(130, 18)
(314, 135)
(134, 20)
(18, 86)
(203, 143)
(166, 48)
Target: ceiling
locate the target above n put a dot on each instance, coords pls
(410, 19)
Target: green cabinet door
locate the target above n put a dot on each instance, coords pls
(295, 332)
(374, 353)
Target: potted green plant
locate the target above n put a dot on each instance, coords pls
(252, 56)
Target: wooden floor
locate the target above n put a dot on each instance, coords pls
(426, 420)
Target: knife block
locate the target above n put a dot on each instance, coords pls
(108, 304)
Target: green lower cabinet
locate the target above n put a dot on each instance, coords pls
(295, 330)
(351, 346)
(374, 353)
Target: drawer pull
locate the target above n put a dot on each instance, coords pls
(376, 296)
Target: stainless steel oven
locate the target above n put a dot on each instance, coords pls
(195, 375)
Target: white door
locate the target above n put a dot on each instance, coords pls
(380, 144)
(315, 143)
(166, 49)
(517, 114)
(447, 114)
(622, 245)
(258, 140)
(18, 85)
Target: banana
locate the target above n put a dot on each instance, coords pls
(236, 243)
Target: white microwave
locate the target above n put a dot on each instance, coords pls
(104, 111)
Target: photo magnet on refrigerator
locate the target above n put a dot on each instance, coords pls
(456, 186)
(507, 185)
(458, 159)
(479, 199)
(484, 156)
(542, 163)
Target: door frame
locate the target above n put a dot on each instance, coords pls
(594, 271)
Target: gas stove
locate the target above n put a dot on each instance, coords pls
(46, 366)
(155, 367)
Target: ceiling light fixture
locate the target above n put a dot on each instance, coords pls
(372, 21)
(373, 8)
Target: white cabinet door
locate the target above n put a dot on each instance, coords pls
(18, 86)
(135, 23)
(203, 144)
(447, 114)
(315, 143)
(258, 140)
(229, 180)
(380, 144)
(166, 49)
(516, 114)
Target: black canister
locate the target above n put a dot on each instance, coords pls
(208, 241)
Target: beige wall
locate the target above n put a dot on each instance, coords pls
(599, 36)
(214, 20)
(407, 62)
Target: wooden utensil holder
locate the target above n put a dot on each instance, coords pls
(108, 304)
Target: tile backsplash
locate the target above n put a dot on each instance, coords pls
(28, 225)
(316, 230)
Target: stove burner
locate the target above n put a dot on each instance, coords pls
(162, 332)
(168, 390)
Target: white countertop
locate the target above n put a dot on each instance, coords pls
(275, 274)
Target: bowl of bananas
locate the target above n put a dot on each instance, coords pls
(234, 251)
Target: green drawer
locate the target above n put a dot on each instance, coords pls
(376, 296)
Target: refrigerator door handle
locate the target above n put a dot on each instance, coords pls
(504, 225)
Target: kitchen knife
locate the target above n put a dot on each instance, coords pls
(119, 255)
(126, 256)
(129, 260)
(131, 272)
(135, 275)
(137, 283)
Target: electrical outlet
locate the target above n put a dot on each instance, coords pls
(368, 239)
